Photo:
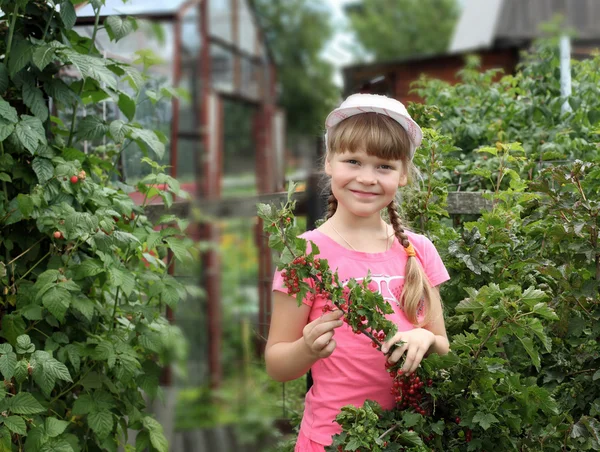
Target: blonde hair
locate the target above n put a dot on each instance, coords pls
(384, 138)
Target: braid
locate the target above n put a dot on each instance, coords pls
(332, 204)
(416, 285)
(397, 224)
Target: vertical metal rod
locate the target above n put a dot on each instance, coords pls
(565, 71)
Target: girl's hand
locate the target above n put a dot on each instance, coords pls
(416, 343)
(318, 334)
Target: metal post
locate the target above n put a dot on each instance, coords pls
(565, 71)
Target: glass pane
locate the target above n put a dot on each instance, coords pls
(187, 152)
(251, 78)
(239, 161)
(189, 122)
(190, 33)
(132, 7)
(222, 68)
(220, 19)
(247, 29)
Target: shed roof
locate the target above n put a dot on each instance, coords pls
(484, 23)
(133, 8)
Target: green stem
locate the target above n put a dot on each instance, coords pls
(53, 401)
(36, 264)
(26, 251)
(11, 32)
(74, 115)
(48, 24)
(114, 315)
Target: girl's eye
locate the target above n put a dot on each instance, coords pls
(352, 162)
(386, 167)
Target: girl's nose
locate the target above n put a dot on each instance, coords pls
(367, 177)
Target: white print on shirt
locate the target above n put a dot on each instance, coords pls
(389, 287)
(386, 286)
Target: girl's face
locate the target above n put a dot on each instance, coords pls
(362, 183)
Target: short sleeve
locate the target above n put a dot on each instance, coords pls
(432, 263)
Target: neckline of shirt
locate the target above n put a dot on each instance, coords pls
(384, 255)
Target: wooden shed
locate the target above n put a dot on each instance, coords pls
(496, 30)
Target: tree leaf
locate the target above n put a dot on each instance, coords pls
(30, 132)
(485, 419)
(92, 127)
(101, 422)
(16, 424)
(148, 138)
(24, 403)
(8, 112)
(57, 370)
(68, 14)
(43, 55)
(6, 129)
(43, 168)
(34, 99)
(157, 437)
(20, 56)
(118, 27)
(117, 130)
(57, 300)
(8, 362)
(127, 106)
(55, 427)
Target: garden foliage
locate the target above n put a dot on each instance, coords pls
(522, 306)
(83, 271)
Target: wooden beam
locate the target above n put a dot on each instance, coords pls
(459, 203)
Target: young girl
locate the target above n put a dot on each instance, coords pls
(371, 141)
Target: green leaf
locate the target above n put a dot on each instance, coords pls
(43, 55)
(485, 420)
(157, 437)
(6, 129)
(118, 27)
(83, 405)
(148, 138)
(89, 267)
(101, 422)
(24, 403)
(25, 204)
(543, 310)
(91, 128)
(6, 348)
(85, 306)
(43, 169)
(117, 130)
(20, 56)
(16, 424)
(57, 370)
(127, 106)
(30, 132)
(68, 14)
(55, 427)
(5, 177)
(8, 112)
(24, 344)
(3, 78)
(179, 248)
(34, 99)
(21, 373)
(8, 362)
(57, 301)
(5, 440)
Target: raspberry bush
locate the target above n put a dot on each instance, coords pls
(83, 272)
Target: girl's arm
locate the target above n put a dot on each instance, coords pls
(293, 345)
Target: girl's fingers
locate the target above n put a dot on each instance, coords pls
(328, 350)
(322, 341)
(388, 345)
(397, 354)
(413, 359)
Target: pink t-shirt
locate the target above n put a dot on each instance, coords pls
(355, 371)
